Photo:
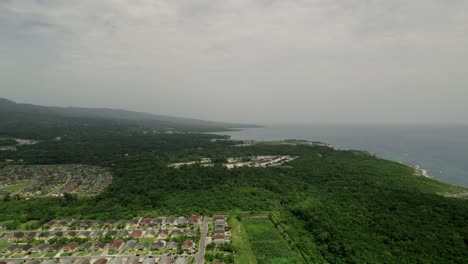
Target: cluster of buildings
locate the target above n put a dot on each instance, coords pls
(106, 260)
(113, 240)
(219, 230)
(259, 161)
(55, 180)
(252, 161)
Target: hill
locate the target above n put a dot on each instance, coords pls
(13, 113)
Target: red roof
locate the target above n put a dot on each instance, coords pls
(116, 244)
(71, 246)
(50, 223)
(187, 244)
(101, 261)
(163, 232)
(72, 233)
(193, 219)
(218, 236)
(136, 233)
(219, 217)
(147, 220)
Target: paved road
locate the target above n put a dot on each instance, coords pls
(200, 257)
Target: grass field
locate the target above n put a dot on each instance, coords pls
(268, 245)
(16, 187)
(240, 241)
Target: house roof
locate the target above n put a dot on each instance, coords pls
(26, 247)
(137, 233)
(116, 244)
(193, 219)
(181, 260)
(172, 244)
(101, 261)
(165, 260)
(218, 236)
(72, 245)
(133, 260)
(187, 244)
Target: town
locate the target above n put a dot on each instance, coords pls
(252, 161)
(53, 180)
(171, 239)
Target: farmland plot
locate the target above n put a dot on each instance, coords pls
(268, 245)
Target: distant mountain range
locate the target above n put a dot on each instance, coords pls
(8, 106)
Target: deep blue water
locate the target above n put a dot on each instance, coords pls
(441, 150)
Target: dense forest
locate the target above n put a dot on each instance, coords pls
(337, 206)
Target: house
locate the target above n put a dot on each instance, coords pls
(9, 249)
(50, 261)
(129, 245)
(137, 233)
(98, 233)
(176, 232)
(83, 261)
(26, 248)
(71, 246)
(149, 260)
(40, 248)
(58, 234)
(33, 262)
(150, 233)
(84, 234)
(157, 221)
(165, 260)
(113, 232)
(99, 246)
(219, 217)
(181, 221)
(219, 230)
(134, 222)
(66, 261)
(190, 232)
(123, 233)
(133, 260)
(163, 233)
(55, 247)
(101, 261)
(172, 245)
(50, 224)
(158, 245)
(16, 235)
(84, 247)
(72, 234)
(187, 244)
(116, 261)
(110, 223)
(143, 246)
(219, 239)
(193, 219)
(44, 235)
(116, 244)
(147, 221)
(170, 220)
(219, 223)
(181, 260)
(31, 235)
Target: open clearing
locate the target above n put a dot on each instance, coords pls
(267, 243)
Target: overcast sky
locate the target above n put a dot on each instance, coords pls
(257, 61)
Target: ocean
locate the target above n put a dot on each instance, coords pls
(441, 150)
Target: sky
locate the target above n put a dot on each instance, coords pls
(260, 61)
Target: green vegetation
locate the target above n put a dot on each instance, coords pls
(336, 206)
(16, 187)
(268, 244)
(7, 142)
(241, 242)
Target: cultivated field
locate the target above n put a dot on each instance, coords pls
(267, 243)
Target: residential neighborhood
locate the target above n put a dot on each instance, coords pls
(165, 239)
(53, 180)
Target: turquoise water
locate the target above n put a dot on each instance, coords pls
(441, 150)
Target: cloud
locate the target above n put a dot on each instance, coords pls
(241, 59)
